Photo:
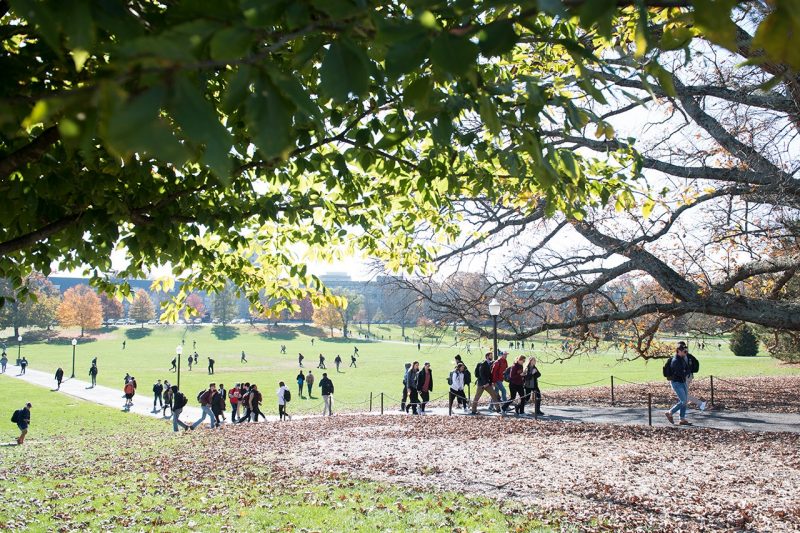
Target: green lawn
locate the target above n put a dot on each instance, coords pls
(149, 351)
(90, 467)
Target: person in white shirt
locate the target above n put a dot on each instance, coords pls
(283, 399)
(456, 381)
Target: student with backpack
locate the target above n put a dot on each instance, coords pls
(93, 374)
(179, 401)
(532, 376)
(255, 402)
(516, 382)
(3, 362)
(499, 376)
(412, 384)
(244, 401)
(327, 392)
(456, 382)
(483, 383)
(129, 390)
(22, 418)
(284, 397)
(310, 383)
(338, 361)
(694, 366)
(205, 397)
(23, 364)
(676, 370)
(158, 389)
(218, 404)
(234, 396)
(167, 404)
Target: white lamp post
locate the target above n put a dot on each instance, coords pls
(494, 310)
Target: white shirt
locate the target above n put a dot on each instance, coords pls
(457, 380)
(281, 401)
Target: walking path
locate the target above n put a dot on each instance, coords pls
(725, 420)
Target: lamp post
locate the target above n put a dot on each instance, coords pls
(494, 310)
(178, 353)
(19, 349)
(74, 344)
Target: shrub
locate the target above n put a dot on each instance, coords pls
(744, 342)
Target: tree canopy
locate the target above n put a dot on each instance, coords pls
(218, 137)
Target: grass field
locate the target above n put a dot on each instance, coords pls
(90, 467)
(149, 351)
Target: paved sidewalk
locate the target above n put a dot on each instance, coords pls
(724, 420)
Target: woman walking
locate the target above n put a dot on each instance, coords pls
(411, 381)
(532, 376)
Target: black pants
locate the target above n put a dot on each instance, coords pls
(536, 395)
(425, 397)
(517, 390)
(458, 394)
(413, 400)
(282, 412)
(246, 416)
(405, 399)
(300, 389)
(157, 400)
(257, 411)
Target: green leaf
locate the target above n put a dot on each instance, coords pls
(497, 39)
(642, 35)
(291, 88)
(337, 9)
(778, 35)
(442, 130)
(600, 12)
(664, 77)
(237, 89)
(406, 55)
(713, 18)
(488, 114)
(269, 120)
(231, 43)
(676, 37)
(344, 71)
(78, 24)
(647, 208)
(418, 93)
(452, 54)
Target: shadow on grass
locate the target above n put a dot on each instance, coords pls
(224, 333)
(281, 334)
(138, 333)
(66, 341)
(309, 330)
(107, 329)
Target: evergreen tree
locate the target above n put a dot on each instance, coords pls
(744, 342)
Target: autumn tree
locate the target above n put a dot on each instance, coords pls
(34, 305)
(217, 137)
(328, 315)
(305, 310)
(112, 308)
(195, 305)
(141, 309)
(349, 305)
(80, 307)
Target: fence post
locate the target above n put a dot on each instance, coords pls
(450, 407)
(712, 390)
(381, 403)
(649, 409)
(370, 401)
(612, 391)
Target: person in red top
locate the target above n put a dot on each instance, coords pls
(233, 397)
(516, 380)
(498, 371)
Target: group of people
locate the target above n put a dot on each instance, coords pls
(491, 374)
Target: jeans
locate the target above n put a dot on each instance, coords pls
(681, 392)
(310, 384)
(300, 389)
(234, 411)
(500, 389)
(479, 389)
(94, 380)
(157, 400)
(207, 412)
(326, 398)
(175, 422)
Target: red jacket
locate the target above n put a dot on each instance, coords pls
(498, 368)
(517, 376)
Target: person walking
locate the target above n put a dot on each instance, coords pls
(205, 398)
(243, 359)
(321, 361)
(210, 366)
(338, 362)
(516, 382)
(327, 392)
(3, 362)
(179, 401)
(190, 360)
(483, 383)
(678, 369)
(244, 402)
(174, 367)
(425, 386)
(283, 399)
(412, 384)
(93, 375)
(310, 383)
(456, 382)
(405, 388)
(168, 399)
(158, 389)
(301, 379)
(233, 396)
(532, 375)
(694, 366)
(22, 418)
(128, 390)
(218, 404)
(498, 375)
(23, 364)
(195, 357)
(353, 361)
(59, 377)
(300, 359)
(124, 343)
(255, 403)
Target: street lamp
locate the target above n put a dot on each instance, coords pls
(74, 344)
(179, 352)
(494, 310)
(19, 349)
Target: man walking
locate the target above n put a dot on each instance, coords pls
(3, 362)
(678, 368)
(255, 403)
(93, 374)
(338, 362)
(22, 418)
(405, 388)
(158, 390)
(301, 379)
(300, 359)
(310, 383)
(483, 383)
(174, 367)
(234, 396)
(243, 359)
(694, 366)
(23, 364)
(321, 361)
(498, 375)
(59, 377)
(190, 360)
(327, 391)
(283, 400)
(210, 366)
(205, 404)
(353, 361)
(179, 401)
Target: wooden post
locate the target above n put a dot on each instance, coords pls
(649, 409)
(712, 390)
(612, 391)
(370, 401)
(381, 403)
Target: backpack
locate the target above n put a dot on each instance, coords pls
(179, 401)
(17, 416)
(287, 396)
(450, 378)
(477, 370)
(694, 364)
(467, 377)
(667, 370)
(200, 395)
(507, 374)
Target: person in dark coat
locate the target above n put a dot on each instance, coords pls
(425, 386)
(412, 384)
(23, 422)
(516, 384)
(483, 383)
(326, 386)
(680, 370)
(59, 377)
(532, 376)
